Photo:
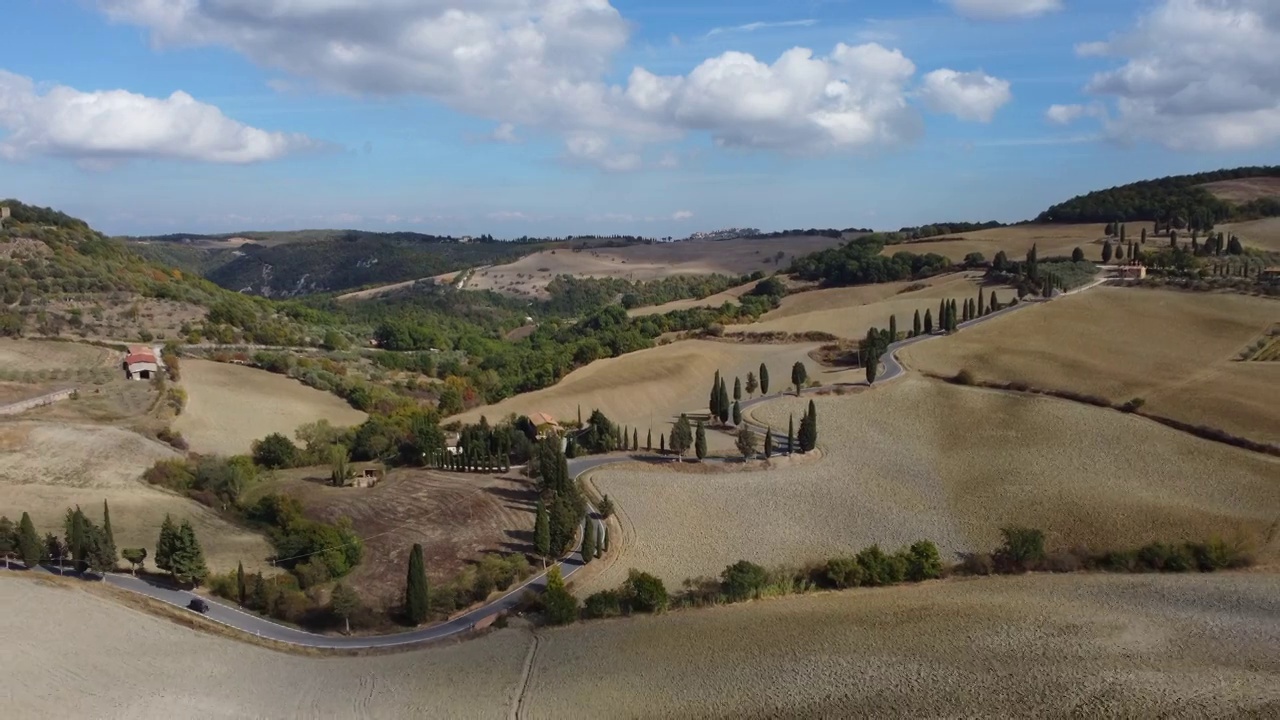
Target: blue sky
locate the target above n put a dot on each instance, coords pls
(528, 117)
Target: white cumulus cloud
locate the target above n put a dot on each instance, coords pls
(1064, 114)
(107, 126)
(682, 215)
(974, 96)
(1004, 9)
(1196, 75)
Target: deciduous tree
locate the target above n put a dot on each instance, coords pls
(751, 384)
(344, 602)
(746, 442)
(136, 557)
(681, 436)
(560, 605)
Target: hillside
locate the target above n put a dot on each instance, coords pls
(282, 265)
(1182, 200)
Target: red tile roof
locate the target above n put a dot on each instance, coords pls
(140, 358)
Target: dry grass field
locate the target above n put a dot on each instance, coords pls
(1031, 646)
(1245, 189)
(48, 355)
(922, 459)
(1263, 234)
(650, 388)
(850, 312)
(230, 406)
(728, 296)
(456, 518)
(46, 468)
(528, 276)
(1176, 350)
(1016, 240)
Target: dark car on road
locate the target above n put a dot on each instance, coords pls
(198, 605)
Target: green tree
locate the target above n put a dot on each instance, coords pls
(791, 434)
(737, 389)
(928, 322)
(681, 436)
(542, 531)
(723, 403)
(809, 429)
(416, 602)
(1023, 548)
(743, 580)
(560, 605)
(241, 590)
(606, 506)
(798, 376)
(751, 384)
(713, 403)
(77, 538)
(1107, 251)
(340, 471)
(700, 442)
(994, 304)
(924, 562)
(275, 451)
(167, 544)
(1234, 247)
(30, 549)
(344, 602)
(873, 369)
(893, 328)
(662, 444)
(764, 379)
(768, 443)
(136, 557)
(737, 413)
(187, 563)
(648, 441)
(643, 592)
(588, 541)
(635, 439)
(106, 524)
(1144, 236)
(915, 325)
(8, 539)
(334, 340)
(746, 442)
(1122, 233)
(1077, 255)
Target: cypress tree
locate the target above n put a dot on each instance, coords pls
(188, 558)
(579, 416)
(994, 304)
(982, 307)
(241, 589)
(635, 439)
(714, 403)
(737, 413)
(928, 322)
(768, 443)
(724, 403)
(791, 434)
(77, 542)
(915, 324)
(893, 328)
(662, 443)
(648, 441)
(415, 591)
(700, 442)
(588, 541)
(542, 531)
(1122, 232)
(737, 389)
(166, 544)
(873, 369)
(764, 379)
(799, 374)
(1144, 236)
(944, 311)
(29, 546)
(106, 524)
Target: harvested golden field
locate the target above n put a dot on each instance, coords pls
(46, 468)
(1243, 190)
(850, 312)
(650, 388)
(456, 518)
(1016, 240)
(47, 355)
(1030, 646)
(728, 296)
(528, 276)
(109, 661)
(1263, 234)
(917, 459)
(230, 406)
(1176, 350)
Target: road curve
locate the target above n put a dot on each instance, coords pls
(262, 627)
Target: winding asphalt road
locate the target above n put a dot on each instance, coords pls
(256, 625)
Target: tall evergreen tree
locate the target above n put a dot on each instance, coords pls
(1144, 236)
(542, 531)
(415, 591)
(8, 539)
(30, 549)
(982, 306)
(662, 443)
(188, 557)
(799, 374)
(106, 523)
(1107, 251)
(809, 429)
(994, 304)
(751, 384)
(713, 403)
(764, 379)
(77, 538)
(588, 541)
(648, 441)
(944, 312)
(915, 324)
(166, 545)
(873, 369)
(791, 434)
(724, 403)
(893, 328)
(1122, 233)
(700, 442)
(768, 443)
(928, 322)
(737, 413)
(242, 590)
(635, 439)
(737, 389)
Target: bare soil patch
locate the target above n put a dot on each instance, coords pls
(49, 467)
(1243, 190)
(230, 406)
(922, 459)
(457, 519)
(1175, 350)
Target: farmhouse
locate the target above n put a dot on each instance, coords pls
(544, 424)
(1132, 271)
(140, 363)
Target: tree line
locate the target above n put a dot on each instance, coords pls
(1176, 201)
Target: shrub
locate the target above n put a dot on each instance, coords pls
(844, 572)
(743, 580)
(1133, 405)
(1216, 555)
(964, 377)
(880, 569)
(606, 603)
(1164, 558)
(923, 562)
(1023, 549)
(1120, 561)
(1060, 562)
(174, 474)
(643, 592)
(978, 564)
(291, 606)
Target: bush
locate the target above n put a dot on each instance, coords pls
(1062, 562)
(964, 377)
(743, 580)
(978, 564)
(1120, 561)
(643, 592)
(1216, 555)
(1164, 558)
(275, 451)
(1023, 549)
(880, 569)
(606, 603)
(173, 474)
(844, 572)
(1133, 405)
(923, 562)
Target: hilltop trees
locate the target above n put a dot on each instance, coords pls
(416, 602)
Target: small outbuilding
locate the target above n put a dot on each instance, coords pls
(140, 363)
(1131, 271)
(544, 424)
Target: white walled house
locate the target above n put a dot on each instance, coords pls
(141, 364)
